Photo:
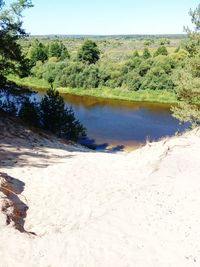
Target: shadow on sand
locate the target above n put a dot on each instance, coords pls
(104, 147)
(19, 144)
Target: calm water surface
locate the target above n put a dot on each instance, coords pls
(122, 124)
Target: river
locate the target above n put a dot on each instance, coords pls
(122, 125)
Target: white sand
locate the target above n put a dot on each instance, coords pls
(92, 209)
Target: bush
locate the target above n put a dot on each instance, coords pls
(133, 81)
(29, 113)
(77, 75)
(58, 119)
(157, 79)
(52, 115)
(166, 63)
(134, 63)
(144, 67)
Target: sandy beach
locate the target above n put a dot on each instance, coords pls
(65, 205)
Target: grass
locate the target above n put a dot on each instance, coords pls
(29, 82)
(104, 92)
(159, 96)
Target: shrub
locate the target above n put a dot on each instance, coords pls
(144, 67)
(133, 81)
(58, 119)
(29, 113)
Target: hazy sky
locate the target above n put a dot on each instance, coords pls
(108, 16)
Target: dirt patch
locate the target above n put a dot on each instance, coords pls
(13, 207)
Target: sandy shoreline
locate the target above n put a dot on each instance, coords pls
(100, 209)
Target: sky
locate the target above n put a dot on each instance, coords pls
(106, 17)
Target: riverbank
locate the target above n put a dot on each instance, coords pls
(69, 206)
(156, 96)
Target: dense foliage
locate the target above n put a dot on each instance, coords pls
(188, 82)
(39, 52)
(155, 71)
(57, 118)
(51, 114)
(12, 59)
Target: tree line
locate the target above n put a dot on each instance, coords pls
(140, 72)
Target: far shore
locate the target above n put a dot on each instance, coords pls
(153, 96)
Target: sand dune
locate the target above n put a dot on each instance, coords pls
(79, 208)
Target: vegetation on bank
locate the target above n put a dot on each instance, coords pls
(160, 96)
(154, 71)
(146, 75)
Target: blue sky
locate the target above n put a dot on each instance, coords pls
(108, 16)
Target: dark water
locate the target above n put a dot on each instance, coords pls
(122, 124)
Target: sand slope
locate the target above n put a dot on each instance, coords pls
(89, 209)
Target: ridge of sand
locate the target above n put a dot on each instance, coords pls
(90, 209)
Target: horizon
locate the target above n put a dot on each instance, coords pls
(113, 35)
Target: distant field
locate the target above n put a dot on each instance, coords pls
(113, 48)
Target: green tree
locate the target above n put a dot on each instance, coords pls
(133, 81)
(59, 119)
(37, 52)
(146, 54)
(133, 63)
(144, 67)
(57, 49)
(188, 82)
(162, 50)
(11, 57)
(158, 73)
(89, 52)
(188, 93)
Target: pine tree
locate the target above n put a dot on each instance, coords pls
(188, 84)
(11, 57)
(59, 119)
(146, 53)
